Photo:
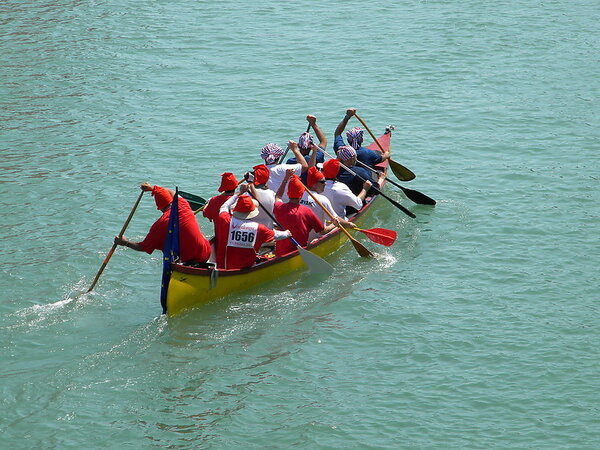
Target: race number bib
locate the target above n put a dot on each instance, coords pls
(242, 234)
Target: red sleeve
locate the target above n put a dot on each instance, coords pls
(264, 235)
(155, 239)
(277, 210)
(211, 210)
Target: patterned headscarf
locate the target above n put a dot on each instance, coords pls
(305, 141)
(271, 153)
(355, 137)
(345, 152)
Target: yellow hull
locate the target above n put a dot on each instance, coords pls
(191, 287)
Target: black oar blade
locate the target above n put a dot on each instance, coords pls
(418, 197)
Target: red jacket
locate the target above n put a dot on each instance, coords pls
(234, 257)
(193, 246)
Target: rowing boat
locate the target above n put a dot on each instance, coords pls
(191, 287)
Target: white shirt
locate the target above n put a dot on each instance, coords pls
(266, 197)
(341, 196)
(307, 200)
(277, 174)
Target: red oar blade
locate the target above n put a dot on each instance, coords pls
(380, 235)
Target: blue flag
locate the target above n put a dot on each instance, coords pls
(171, 249)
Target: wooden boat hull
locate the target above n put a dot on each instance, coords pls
(191, 287)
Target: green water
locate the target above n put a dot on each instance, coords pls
(479, 328)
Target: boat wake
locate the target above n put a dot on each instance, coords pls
(48, 314)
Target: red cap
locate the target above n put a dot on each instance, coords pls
(162, 197)
(331, 168)
(314, 175)
(261, 174)
(228, 182)
(295, 187)
(245, 207)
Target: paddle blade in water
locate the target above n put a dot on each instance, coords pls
(417, 197)
(361, 249)
(381, 236)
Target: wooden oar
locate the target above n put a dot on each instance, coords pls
(381, 236)
(112, 250)
(415, 196)
(315, 264)
(403, 173)
(391, 200)
(361, 249)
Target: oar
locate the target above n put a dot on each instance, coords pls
(381, 236)
(315, 264)
(415, 196)
(399, 170)
(196, 202)
(361, 249)
(112, 250)
(391, 200)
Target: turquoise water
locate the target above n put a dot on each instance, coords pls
(479, 328)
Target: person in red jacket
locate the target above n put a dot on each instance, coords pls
(239, 237)
(193, 246)
(300, 220)
(227, 189)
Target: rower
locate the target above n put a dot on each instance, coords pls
(305, 142)
(355, 140)
(271, 154)
(260, 191)
(316, 185)
(355, 181)
(293, 216)
(340, 195)
(239, 236)
(226, 189)
(194, 246)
